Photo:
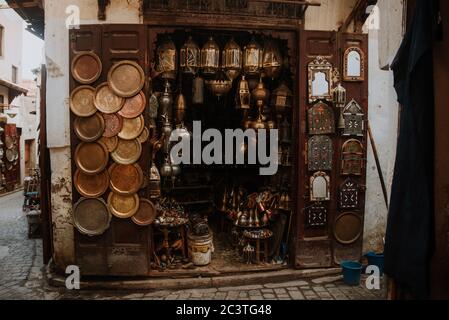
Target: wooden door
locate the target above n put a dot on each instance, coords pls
(124, 249)
(316, 244)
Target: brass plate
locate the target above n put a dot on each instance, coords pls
(82, 101)
(123, 206)
(106, 100)
(126, 78)
(15, 153)
(125, 178)
(9, 142)
(91, 157)
(127, 151)
(9, 155)
(348, 227)
(113, 124)
(134, 106)
(110, 143)
(132, 128)
(91, 186)
(144, 135)
(146, 214)
(86, 67)
(90, 128)
(91, 216)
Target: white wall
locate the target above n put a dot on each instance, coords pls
(12, 43)
(329, 16)
(58, 126)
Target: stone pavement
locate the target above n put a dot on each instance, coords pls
(22, 275)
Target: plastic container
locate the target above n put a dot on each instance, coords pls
(351, 272)
(376, 259)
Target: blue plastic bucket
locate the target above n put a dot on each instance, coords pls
(375, 259)
(351, 272)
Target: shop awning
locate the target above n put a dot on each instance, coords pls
(14, 90)
(32, 11)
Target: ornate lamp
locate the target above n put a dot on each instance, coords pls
(190, 57)
(232, 59)
(281, 99)
(210, 57)
(252, 58)
(272, 59)
(243, 97)
(167, 59)
(339, 99)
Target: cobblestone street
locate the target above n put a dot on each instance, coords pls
(22, 276)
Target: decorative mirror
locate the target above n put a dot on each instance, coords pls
(320, 187)
(354, 65)
(352, 158)
(349, 194)
(321, 119)
(353, 119)
(316, 215)
(320, 152)
(320, 80)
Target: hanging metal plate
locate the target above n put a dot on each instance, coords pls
(9, 142)
(91, 216)
(127, 151)
(82, 101)
(348, 227)
(90, 128)
(320, 153)
(126, 78)
(91, 157)
(113, 124)
(134, 106)
(123, 206)
(9, 155)
(146, 214)
(91, 186)
(86, 67)
(132, 128)
(110, 143)
(125, 178)
(106, 100)
(144, 135)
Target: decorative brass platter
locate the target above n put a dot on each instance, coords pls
(91, 216)
(134, 106)
(132, 128)
(123, 206)
(91, 157)
(9, 155)
(127, 151)
(113, 124)
(82, 101)
(146, 214)
(86, 67)
(125, 178)
(9, 142)
(90, 128)
(126, 78)
(91, 186)
(348, 227)
(15, 153)
(106, 100)
(144, 135)
(110, 142)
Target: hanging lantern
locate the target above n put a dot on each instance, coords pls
(232, 59)
(167, 59)
(180, 108)
(281, 99)
(221, 85)
(272, 59)
(190, 57)
(252, 58)
(198, 90)
(243, 96)
(210, 57)
(339, 99)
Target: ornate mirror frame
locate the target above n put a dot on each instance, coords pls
(353, 118)
(352, 160)
(347, 77)
(320, 65)
(321, 119)
(320, 153)
(324, 178)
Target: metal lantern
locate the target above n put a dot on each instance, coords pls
(339, 99)
(180, 108)
(190, 56)
(198, 90)
(232, 59)
(252, 58)
(281, 98)
(210, 57)
(167, 59)
(243, 96)
(272, 59)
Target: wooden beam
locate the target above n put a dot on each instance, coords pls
(351, 17)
